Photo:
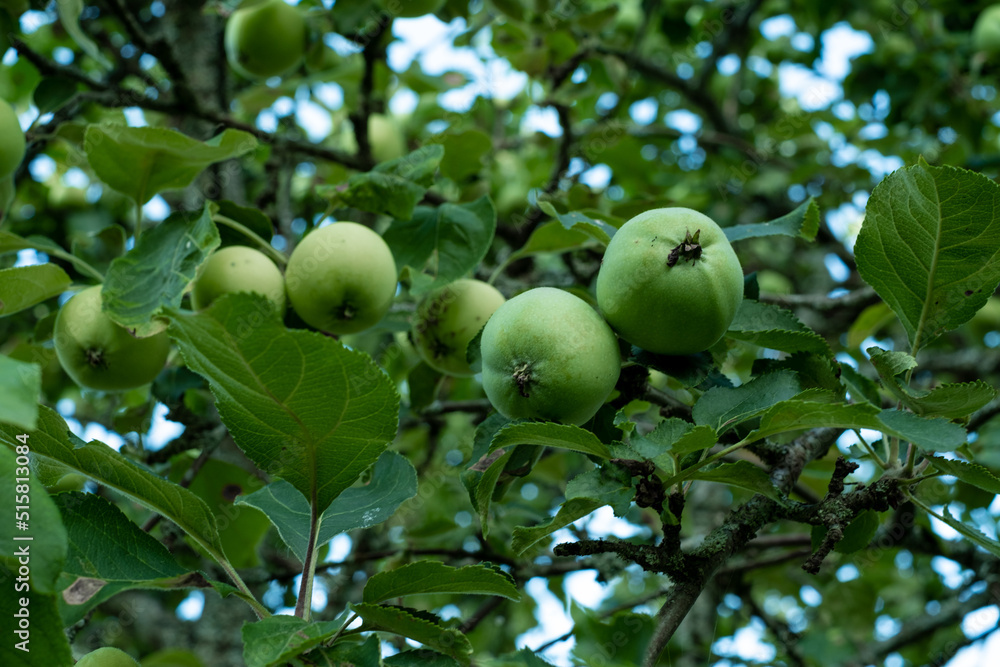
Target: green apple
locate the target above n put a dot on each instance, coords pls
(986, 31)
(238, 269)
(11, 140)
(386, 138)
(97, 353)
(670, 282)
(341, 278)
(265, 38)
(548, 355)
(449, 318)
(107, 656)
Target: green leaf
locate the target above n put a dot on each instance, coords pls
(418, 166)
(970, 473)
(872, 320)
(405, 622)
(69, 16)
(674, 436)
(796, 415)
(860, 387)
(46, 547)
(954, 400)
(523, 658)
(551, 237)
(45, 638)
(101, 248)
(463, 153)
(141, 162)
(13, 243)
(25, 286)
(803, 223)
(929, 246)
(767, 325)
(724, 407)
(301, 405)
(393, 482)
(571, 510)
(109, 468)
(53, 92)
(20, 391)
(108, 554)
(972, 534)
(487, 484)
(219, 484)
(451, 240)
(929, 434)
(387, 194)
(392, 188)
(890, 364)
(575, 220)
(152, 276)
(275, 640)
(857, 535)
(418, 658)
(550, 434)
(355, 654)
(428, 576)
(611, 483)
(743, 475)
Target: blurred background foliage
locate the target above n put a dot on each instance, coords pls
(740, 109)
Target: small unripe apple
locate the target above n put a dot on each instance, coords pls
(107, 656)
(986, 31)
(11, 140)
(341, 278)
(98, 353)
(386, 138)
(670, 282)
(238, 269)
(265, 38)
(548, 355)
(449, 318)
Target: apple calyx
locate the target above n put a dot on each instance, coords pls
(95, 357)
(689, 249)
(523, 379)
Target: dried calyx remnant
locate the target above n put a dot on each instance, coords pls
(522, 376)
(95, 357)
(689, 249)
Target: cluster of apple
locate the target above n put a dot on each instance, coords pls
(266, 38)
(670, 284)
(340, 279)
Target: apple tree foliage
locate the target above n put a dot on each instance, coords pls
(822, 478)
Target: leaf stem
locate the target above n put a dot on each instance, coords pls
(911, 456)
(893, 451)
(81, 265)
(260, 609)
(249, 233)
(871, 451)
(690, 470)
(138, 220)
(332, 640)
(304, 604)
